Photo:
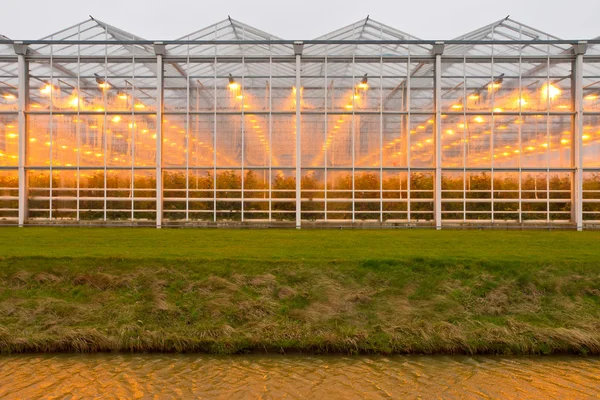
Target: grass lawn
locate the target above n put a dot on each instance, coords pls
(313, 245)
(349, 291)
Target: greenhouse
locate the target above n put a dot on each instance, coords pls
(363, 126)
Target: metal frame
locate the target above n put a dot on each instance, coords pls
(344, 47)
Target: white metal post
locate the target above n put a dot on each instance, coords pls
(577, 192)
(159, 50)
(298, 46)
(438, 49)
(23, 69)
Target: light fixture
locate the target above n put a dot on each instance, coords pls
(364, 83)
(474, 96)
(496, 83)
(74, 102)
(102, 84)
(233, 85)
(549, 91)
(46, 89)
(9, 96)
(521, 101)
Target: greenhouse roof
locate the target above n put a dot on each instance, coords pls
(365, 41)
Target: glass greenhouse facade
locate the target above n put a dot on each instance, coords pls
(364, 126)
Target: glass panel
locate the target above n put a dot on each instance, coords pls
(591, 196)
(9, 86)
(421, 196)
(9, 140)
(91, 195)
(9, 195)
(313, 194)
(421, 141)
(395, 141)
(395, 196)
(590, 140)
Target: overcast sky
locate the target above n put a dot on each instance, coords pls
(302, 19)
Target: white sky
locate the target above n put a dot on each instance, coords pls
(304, 19)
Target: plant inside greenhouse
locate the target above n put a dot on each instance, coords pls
(366, 126)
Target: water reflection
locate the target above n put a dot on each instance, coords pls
(265, 377)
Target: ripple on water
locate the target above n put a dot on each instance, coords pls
(272, 376)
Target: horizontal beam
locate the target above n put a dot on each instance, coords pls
(290, 43)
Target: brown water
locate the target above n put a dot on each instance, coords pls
(272, 376)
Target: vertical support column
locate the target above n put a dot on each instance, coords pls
(577, 158)
(298, 47)
(438, 50)
(159, 50)
(23, 71)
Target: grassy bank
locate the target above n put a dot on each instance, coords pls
(223, 291)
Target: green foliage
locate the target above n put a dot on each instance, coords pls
(197, 193)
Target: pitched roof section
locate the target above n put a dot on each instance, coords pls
(366, 29)
(5, 48)
(90, 30)
(229, 30)
(506, 29)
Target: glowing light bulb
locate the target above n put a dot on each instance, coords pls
(549, 91)
(478, 119)
(116, 119)
(474, 96)
(74, 102)
(233, 85)
(457, 106)
(9, 96)
(139, 106)
(521, 102)
(364, 83)
(498, 109)
(46, 89)
(591, 97)
(104, 85)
